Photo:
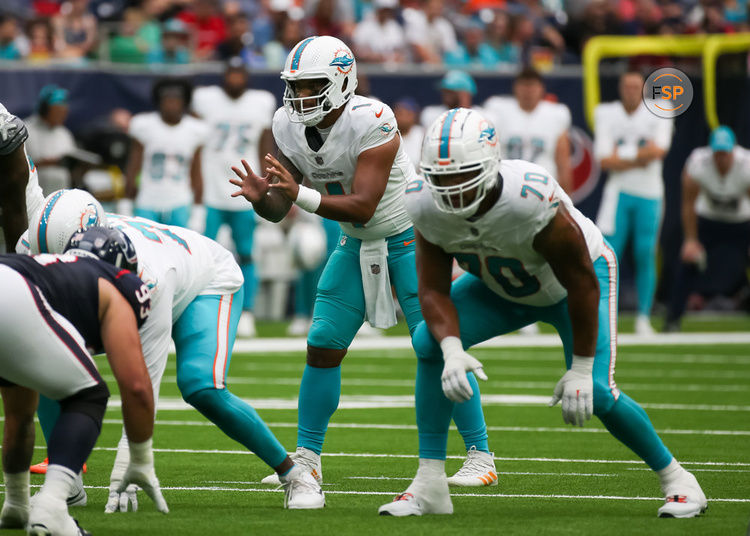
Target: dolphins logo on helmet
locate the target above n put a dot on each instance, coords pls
(487, 133)
(343, 60)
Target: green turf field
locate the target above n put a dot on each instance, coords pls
(553, 479)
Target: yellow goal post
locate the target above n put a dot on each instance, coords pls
(708, 47)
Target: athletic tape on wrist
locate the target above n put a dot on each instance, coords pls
(308, 199)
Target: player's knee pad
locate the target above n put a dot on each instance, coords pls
(91, 402)
(424, 344)
(325, 334)
(604, 399)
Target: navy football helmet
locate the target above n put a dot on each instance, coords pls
(105, 243)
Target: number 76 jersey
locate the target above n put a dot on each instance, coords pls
(497, 246)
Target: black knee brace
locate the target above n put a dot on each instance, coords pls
(91, 401)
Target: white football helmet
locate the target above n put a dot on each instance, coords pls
(63, 213)
(460, 141)
(319, 57)
(308, 243)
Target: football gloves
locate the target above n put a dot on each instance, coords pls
(456, 386)
(576, 390)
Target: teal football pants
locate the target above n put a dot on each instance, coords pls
(639, 218)
(483, 315)
(242, 225)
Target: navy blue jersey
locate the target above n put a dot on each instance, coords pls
(71, 287)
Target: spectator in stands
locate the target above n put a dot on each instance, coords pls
(499, 38)
(474, 52)
(75, 30)
(331, 17)
(598, 18)
(406, 111)
(9, 49)
(207, 26)
(174, 47)
(379, 38)
(715, 223)
(430, 34)
(631, 144)
(240, 42)
(457, 89)
(41, 43)
(49, 140)
(136, 37)
(275, 52)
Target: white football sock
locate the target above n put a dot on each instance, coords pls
(671, 472)
(17, 488)
(58, 482)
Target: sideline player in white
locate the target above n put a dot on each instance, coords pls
(631, 143)
(240, 120)
(531, 255)
(52, 308)
(533, 129)
(166, 151)
(196, 301)
(715, 223)
(20, 193)
(348, 151)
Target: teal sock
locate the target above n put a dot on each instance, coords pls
(239, 421)
(433, 410)
(48, 412)
(251, 286)
(318, 399)
(629, 423)
(469, 419)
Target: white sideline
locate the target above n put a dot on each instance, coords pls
(270, 345)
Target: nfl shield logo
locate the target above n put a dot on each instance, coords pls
(319, 160)
(375, 269)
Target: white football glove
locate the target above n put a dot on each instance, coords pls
(456, 386)
(133, 469)
(119, 502)
(576, 390)
(144, 476)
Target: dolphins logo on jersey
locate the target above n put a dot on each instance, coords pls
(487, 134)
(386, 128)
(343, 61)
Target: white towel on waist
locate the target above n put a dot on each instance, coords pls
(373, 262)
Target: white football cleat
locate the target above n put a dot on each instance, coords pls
(643, 326)
(307, 460)
(49, 516)
(246, 325)
(299, 326)
(478, 470)
(684, 498)
(423, 496)
(14, 516)
(302, 491)
(77, 497)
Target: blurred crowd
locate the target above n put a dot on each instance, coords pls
(473, 34)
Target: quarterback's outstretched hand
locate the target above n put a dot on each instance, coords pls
(456, 386)
(576, 390)
(285, 182)
(251, 186)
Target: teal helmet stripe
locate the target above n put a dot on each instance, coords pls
(42, 231)
(298, 53)
(445, 134)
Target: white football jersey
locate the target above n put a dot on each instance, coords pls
(365, 124)
(236, 128)
(721, 198)
(530, 136)
(497, 247)
(614, 127)
(167, 155)
(412, 144)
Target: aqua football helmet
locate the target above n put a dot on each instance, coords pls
(460, 141)
(318, 58)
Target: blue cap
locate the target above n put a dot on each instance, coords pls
(722, 139)
(53, 94)
(458, 81)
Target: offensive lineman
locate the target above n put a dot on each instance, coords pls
(348, 149)
(240, 119)
(531, 256)
(67, 304)
(196, 300)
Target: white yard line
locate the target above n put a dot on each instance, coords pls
(533, 429)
